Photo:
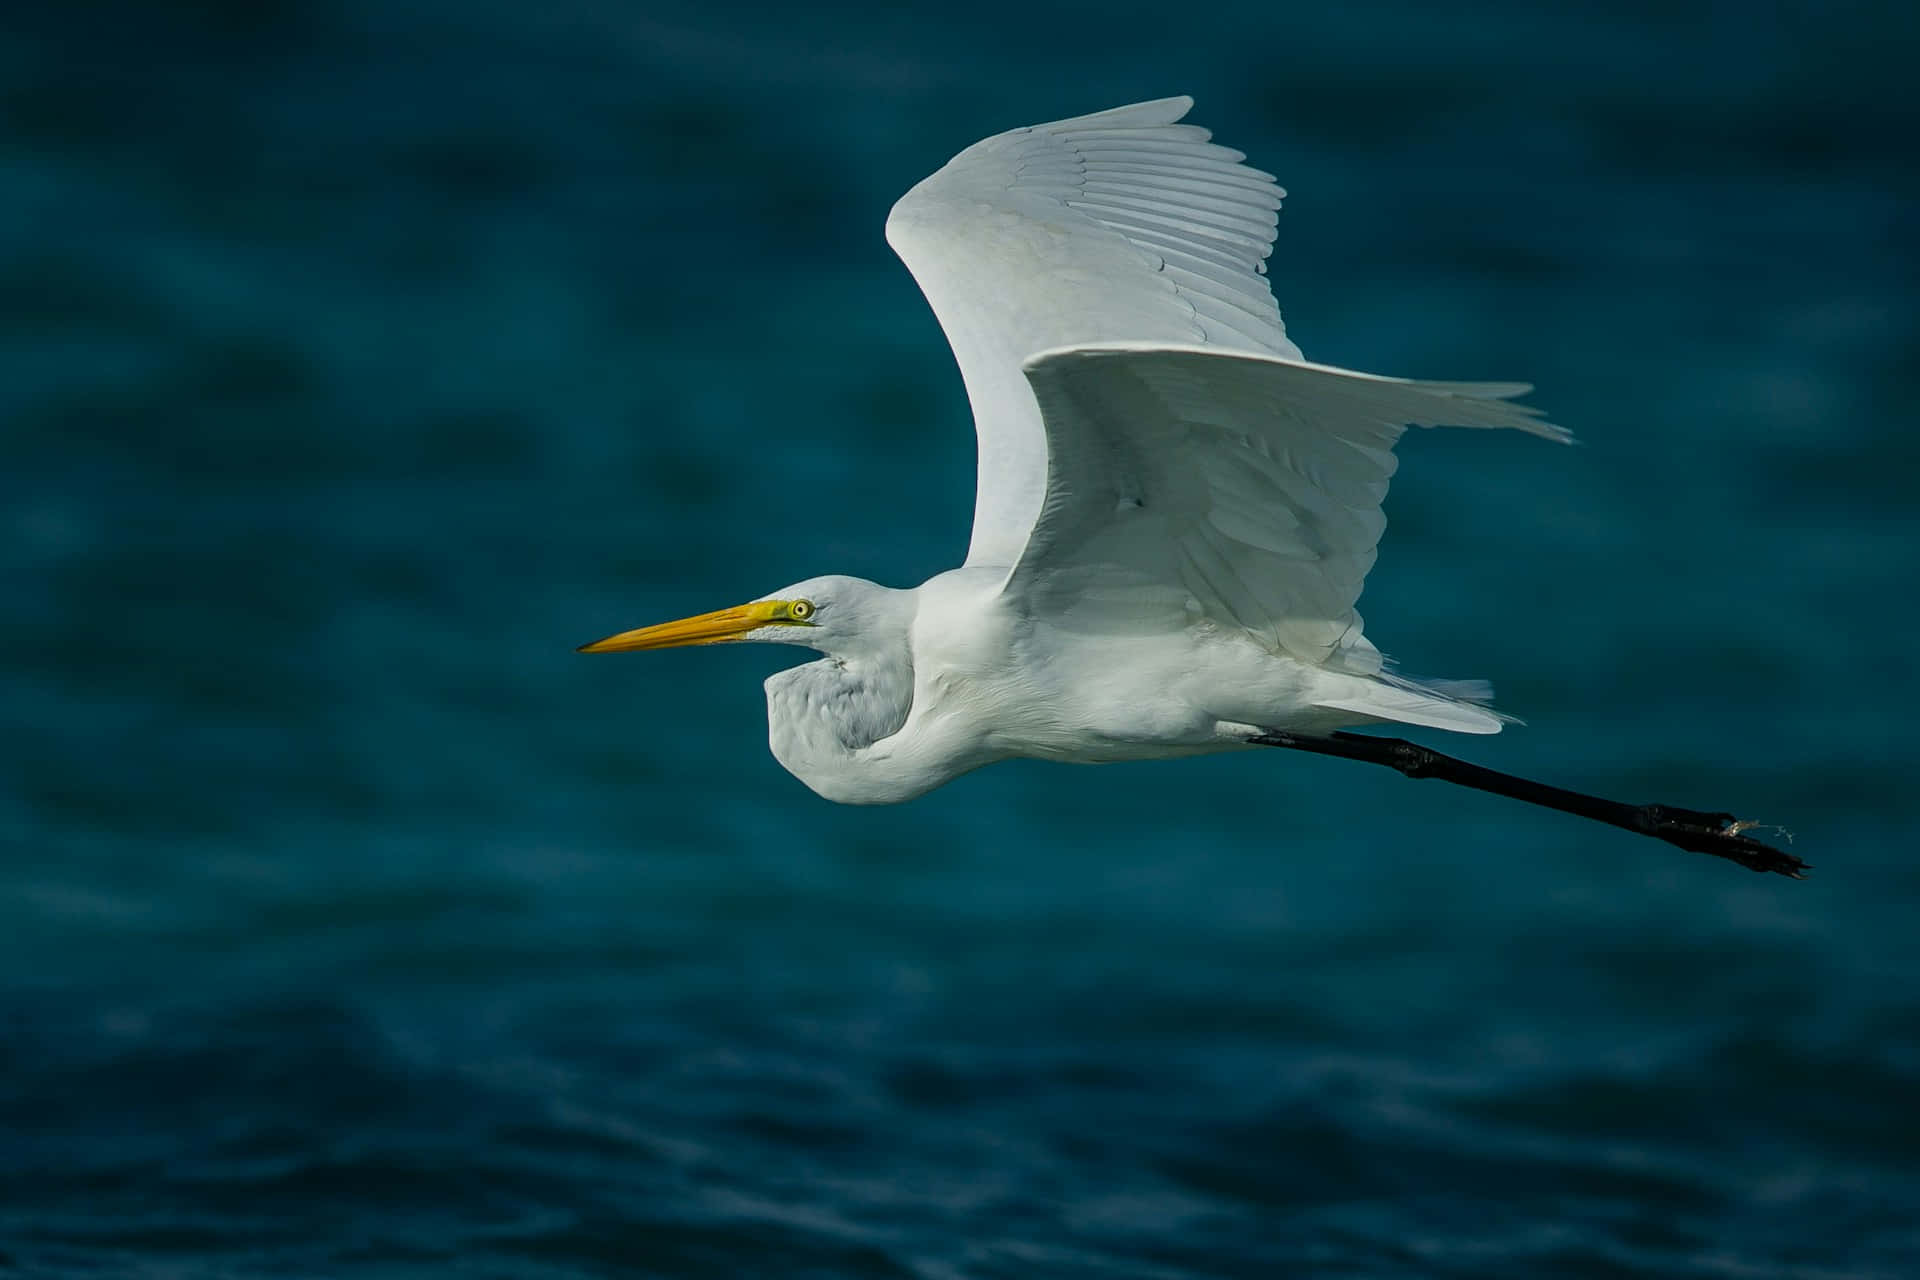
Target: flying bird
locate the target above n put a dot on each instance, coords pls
(1174, 511)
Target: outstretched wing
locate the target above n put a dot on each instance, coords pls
(1241, 488)
(1122, 226)
(1151, 445)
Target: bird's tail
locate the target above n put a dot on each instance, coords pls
(1456, 705)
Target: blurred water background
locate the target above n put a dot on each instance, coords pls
(362, 358)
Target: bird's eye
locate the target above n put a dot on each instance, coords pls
(801, 609)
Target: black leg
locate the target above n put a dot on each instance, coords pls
(1719, 834)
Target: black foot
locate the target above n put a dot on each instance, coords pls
(1720, 834)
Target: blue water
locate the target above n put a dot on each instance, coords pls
(361, 359)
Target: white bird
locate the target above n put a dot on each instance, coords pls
(1175, 511)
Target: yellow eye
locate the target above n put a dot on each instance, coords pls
(800, 610)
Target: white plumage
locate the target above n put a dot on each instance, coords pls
(1175, 511)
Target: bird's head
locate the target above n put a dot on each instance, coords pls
(834, 614)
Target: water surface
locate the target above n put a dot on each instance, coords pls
(362, 359)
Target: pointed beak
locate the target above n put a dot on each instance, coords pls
(706, 628)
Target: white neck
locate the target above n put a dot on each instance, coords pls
(823, 717)
(845, 725)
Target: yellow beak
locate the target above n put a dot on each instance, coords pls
(706, 628)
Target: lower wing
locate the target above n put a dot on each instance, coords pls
(1243, 486)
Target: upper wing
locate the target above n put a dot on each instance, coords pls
(1114, 227)
(1243, 488)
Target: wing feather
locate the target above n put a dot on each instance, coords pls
(1171, 169)
(1119, 226)
(1236, 235)
(1171, 193)
(1250, 482)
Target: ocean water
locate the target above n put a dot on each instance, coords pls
(360, 359)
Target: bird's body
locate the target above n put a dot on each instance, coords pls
(962, 676)
(1175, 511)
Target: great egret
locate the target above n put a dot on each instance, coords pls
(1174, 512)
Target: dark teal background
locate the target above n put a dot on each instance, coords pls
(361, 359)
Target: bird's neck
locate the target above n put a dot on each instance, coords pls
(828, 721)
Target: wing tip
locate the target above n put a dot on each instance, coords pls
(1149, 114)
(1175, 107)
(1492, 402)
(1555, 432)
